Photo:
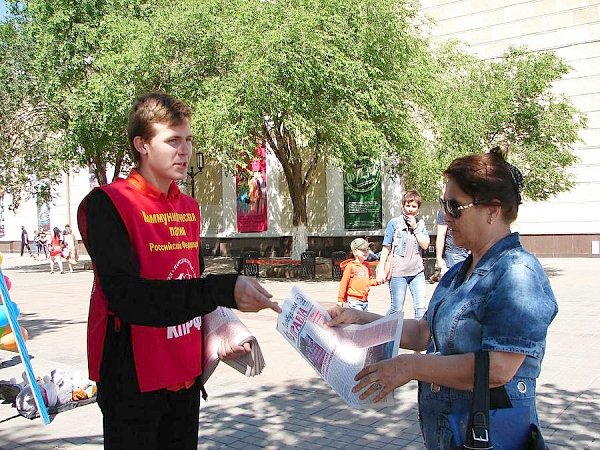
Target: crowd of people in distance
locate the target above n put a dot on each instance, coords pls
(58, 247)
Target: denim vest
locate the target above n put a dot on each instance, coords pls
(397, 232)
(506, 305)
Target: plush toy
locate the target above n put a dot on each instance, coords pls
(49, 392)
(82, 394)
(20, 385)
(57, 389)
(82, 387)
(25, 401)
(65, 386)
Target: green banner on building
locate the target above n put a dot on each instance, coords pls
(362, 198)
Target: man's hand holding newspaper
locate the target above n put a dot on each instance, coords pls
(226, 338)
(338, 353)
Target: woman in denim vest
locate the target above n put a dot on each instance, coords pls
(499, 300)
(403, 238)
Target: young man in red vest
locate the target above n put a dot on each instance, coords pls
(145, 318)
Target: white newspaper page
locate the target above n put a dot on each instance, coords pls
(338, 353)
(222, 324)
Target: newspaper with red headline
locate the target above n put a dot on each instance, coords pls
(338, 353)
(223, 325)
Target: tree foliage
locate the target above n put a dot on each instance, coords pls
(509, 102)
(322, 81)
(75, 113)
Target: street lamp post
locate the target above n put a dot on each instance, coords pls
(193, 172)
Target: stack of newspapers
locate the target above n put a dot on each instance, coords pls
(222, 325)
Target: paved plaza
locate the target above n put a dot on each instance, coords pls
(288, 406)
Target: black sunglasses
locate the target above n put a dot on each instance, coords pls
(453, 208)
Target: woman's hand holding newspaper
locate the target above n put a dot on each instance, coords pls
(340, 316)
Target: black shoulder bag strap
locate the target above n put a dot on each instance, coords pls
(478, 431)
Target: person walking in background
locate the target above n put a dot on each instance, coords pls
(43, 242)
(447, 253)
(499, 300)
(147, 302)
(56, 248)
(355, 282)
(401, 262)
(36, 244)
(70, 252)
(25, 241)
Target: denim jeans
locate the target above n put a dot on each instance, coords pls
(398, 286)
(357, 304)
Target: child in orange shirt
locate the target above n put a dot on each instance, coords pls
(355, 282)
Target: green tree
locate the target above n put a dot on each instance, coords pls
(72, 105)
(28, 163)
(336, 82)
(84, 63)
(328, 82)
(323, 82)
(510, 102)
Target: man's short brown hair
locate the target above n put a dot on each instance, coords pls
(154, 107)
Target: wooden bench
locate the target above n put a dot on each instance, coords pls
(274, 261)
(251, 263)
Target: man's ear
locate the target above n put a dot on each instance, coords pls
(140, 145)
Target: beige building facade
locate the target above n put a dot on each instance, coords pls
(569, 224)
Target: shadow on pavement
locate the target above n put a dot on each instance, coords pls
(15, 360)
(36, 327)
(576, 417)
(31, 442)
(313, 417)
(297, 417)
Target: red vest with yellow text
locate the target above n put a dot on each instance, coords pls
(165, 234)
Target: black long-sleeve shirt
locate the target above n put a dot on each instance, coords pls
(136, 300)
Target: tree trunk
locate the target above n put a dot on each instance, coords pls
(299, 215)
(299, 240)
(99, 170)
(298, 175)
(118, 165)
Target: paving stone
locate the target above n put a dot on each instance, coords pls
(288, 406)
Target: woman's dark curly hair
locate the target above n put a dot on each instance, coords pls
(490, 180)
